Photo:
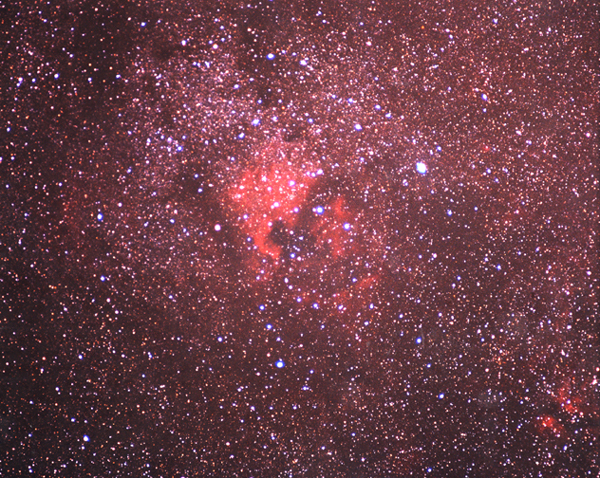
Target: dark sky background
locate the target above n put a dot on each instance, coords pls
(299, 239)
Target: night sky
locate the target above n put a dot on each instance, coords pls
(299, 239)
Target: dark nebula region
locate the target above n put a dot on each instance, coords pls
(299, 239)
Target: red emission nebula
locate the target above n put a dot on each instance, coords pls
(274, 204)
(274, 193)
(309, 239)
(271, 191)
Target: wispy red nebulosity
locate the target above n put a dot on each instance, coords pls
(273, 188)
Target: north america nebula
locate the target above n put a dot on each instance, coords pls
(299, 239)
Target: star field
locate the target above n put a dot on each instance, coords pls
(307, 239)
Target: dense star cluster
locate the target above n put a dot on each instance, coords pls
(299, 239)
